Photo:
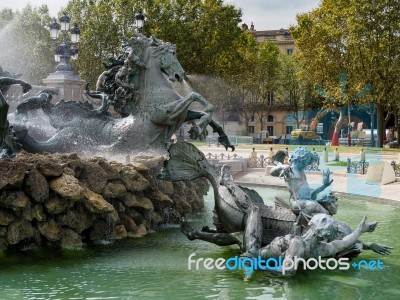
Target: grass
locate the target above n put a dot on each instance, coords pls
(338, 164)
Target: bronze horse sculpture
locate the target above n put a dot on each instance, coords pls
(152, 110)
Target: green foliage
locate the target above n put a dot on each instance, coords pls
(25, 43)
(204, 31)
(360, 38)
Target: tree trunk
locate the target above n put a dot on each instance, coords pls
(396, 126)
(338, 127)
(380, 125)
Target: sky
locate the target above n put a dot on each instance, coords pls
(265, 14)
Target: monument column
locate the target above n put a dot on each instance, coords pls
(69, 84)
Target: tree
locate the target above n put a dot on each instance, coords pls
(26, 45)
(203, 31)
(360, 38)
(292, 90)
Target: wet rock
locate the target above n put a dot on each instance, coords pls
(166, 187)
(6, 217)
(144, 203)
(93, 176)
(36, 186)
(18, 231)
(114, 190)
(111, 171)
(151, 162)
(67, 187)
(119, 233)
(56, 205)
(12, 174)
(76, 219)
(3, 231)
(17, 201)
(38, 213)
(155, 219)
(182, 205)
(119, 207)
(50, 230)
(70, 239)
(130, 200)
(135, 216)
(140, 231)
(95, 203)
(159, 199)
(133, 180)
(129, 224)
(68, 171)
(112, 217)
(3, 244)
(100, 230)
(49, 168)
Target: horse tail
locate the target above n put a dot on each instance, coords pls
(186, 163)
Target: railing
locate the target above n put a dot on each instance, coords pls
(396, 168)
(259, 162)
(235, 140)
(360, 167)
(222, 156)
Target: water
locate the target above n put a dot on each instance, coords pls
(155, 267)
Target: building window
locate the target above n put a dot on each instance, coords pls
(289, 129)
(250, 129)
(251, 119)
(270, 99)
(289, 51)
(270, 130)
(270, 118)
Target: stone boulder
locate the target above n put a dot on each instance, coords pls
(133, 180)
(12, 174)
(70, 239)
(93, 176)
(56, 205)
(50, 230)
(67, 187)
(18, 231)
(114, 190)
(36, 186)
(6, 217)
(95, 203)
(17, 201)
(49, 168)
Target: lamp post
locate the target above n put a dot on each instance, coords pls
(68, 48)
(139, 21)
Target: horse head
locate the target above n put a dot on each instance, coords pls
(167, 60)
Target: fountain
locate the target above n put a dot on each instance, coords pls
(62, 200)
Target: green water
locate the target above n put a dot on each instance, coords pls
(155, 267)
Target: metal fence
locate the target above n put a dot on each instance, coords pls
(222, 156)
(235, 140)
(357, 167)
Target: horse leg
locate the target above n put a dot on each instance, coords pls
(217, 238)
(180, 107)
(222, 137)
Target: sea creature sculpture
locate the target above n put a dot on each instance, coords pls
(265, 230)
(8, 143)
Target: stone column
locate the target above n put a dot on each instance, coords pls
(70, 85)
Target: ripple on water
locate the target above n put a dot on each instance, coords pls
(155, 267)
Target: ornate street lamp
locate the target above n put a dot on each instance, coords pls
(139, 20)
(68, 47)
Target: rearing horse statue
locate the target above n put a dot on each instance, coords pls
(153, 110)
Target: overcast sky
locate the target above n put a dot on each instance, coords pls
(266, 14)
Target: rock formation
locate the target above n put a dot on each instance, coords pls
(62, 200)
